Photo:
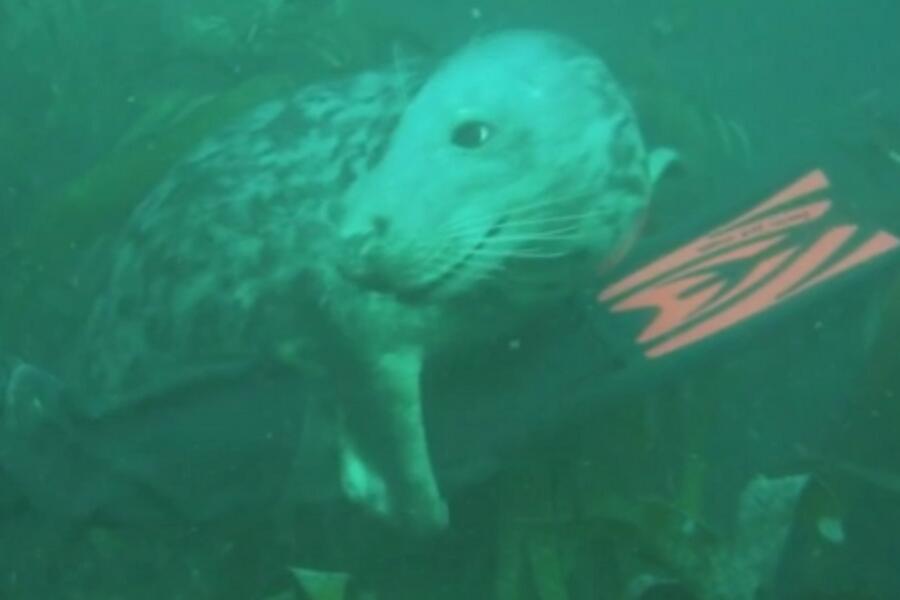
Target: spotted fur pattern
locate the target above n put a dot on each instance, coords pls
(214, 265)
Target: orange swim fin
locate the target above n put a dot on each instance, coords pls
(789, 247)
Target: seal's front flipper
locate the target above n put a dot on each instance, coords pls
(385, 460)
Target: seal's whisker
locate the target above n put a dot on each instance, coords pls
(480, 264)
(478, 269)
(537, 229)
(527, 245)
(520, 254)
(543, 220)
(520, 207)
(529, 207)
(516, 216)
(478, 221)
(549, 198)
(509, 233)
(526, 206)
(543, 236)
(465, 227)
(437, 261)
(486, 270)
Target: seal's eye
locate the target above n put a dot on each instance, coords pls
(471, 134)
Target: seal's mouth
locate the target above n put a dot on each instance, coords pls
(445, 277)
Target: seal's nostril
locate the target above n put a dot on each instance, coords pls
(380, 225)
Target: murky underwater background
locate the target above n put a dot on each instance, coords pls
(769, 470)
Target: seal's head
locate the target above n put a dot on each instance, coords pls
(519, 161)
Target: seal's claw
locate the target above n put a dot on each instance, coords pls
(362, 485)
(417, 508)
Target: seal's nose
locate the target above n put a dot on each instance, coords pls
(366, 242)
(381, 225)
(365, 258)
(367, 231)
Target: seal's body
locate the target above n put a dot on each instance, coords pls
(360, 227)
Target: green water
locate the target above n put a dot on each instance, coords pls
(764, 463)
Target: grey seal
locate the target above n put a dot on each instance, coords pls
(360, 227)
